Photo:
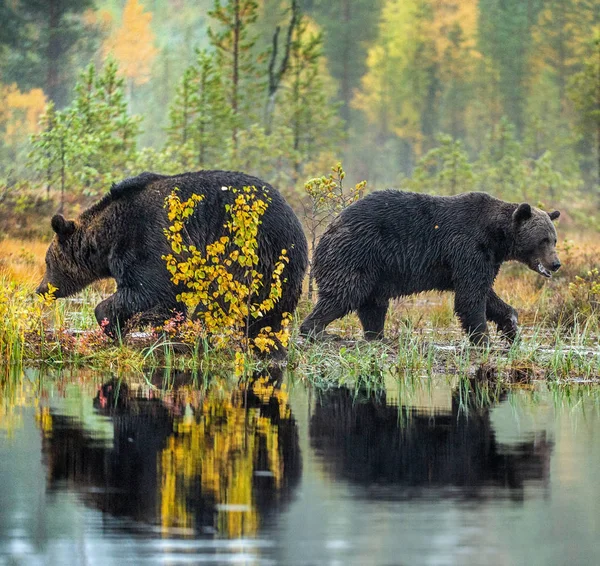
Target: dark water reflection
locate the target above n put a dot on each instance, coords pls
(402, 452)
(97, 471)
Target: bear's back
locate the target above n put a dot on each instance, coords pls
(140, 201)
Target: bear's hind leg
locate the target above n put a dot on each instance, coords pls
(372, 317)
(325, 312)
(503, 315)
(470, 307)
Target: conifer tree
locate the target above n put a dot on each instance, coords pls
(234, 41)
(306, 102)
(91, 143)
(200, 118)
(48, 31)
(584, 92)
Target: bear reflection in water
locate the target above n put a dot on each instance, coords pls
(399, 452)
(212, 461)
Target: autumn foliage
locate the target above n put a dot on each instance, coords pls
(223, 287)
(132, 44)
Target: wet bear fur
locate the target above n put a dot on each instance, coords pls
(122, 237)
(395, 243)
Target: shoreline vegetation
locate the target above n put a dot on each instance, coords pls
(559, 342)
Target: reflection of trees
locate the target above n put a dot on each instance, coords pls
(374, 444)
(14, 393)
(218, 459)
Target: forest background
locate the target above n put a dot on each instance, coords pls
(444, 97)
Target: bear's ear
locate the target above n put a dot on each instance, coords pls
(522, 213)
(63, 228)
(554, 215)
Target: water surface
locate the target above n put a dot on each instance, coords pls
(95, 471)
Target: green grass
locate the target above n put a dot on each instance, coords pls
(423, 340)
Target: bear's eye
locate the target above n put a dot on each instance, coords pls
(545, 241)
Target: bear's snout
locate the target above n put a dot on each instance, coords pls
(555, 265)
(42, 288)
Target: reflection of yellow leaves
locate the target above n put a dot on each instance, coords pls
(15, 394)
(44, 420)
(219, 447)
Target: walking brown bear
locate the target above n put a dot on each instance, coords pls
(395, 243)
(122, 237)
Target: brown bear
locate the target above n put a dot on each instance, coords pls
(122, 236)
(395, 243)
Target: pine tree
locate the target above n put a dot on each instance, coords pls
(91, 143)
(42, 55)
(500, 167)
(584, 92)
(305, 105)
(505, 38)
(444, 170)
(200, 118)
(349, 28)
(234, 42)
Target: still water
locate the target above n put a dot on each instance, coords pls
(93, 471)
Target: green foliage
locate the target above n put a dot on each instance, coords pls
(327, 197)
(201, 119)
(91, 143)
(305, 104)
(500, 167)
(444, 169)
(233, 40)
(504, 171)
(49, 37)
(501, 170)
(379, 80)
(271, 156)
(584, 91)
(505, 38)
(350, 27)
(208, 128)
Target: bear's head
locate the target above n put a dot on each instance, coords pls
(535, 239)
(66, 269)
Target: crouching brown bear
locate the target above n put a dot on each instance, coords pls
(122, 236)
(395, 243)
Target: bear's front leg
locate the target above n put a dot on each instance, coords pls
(501, 313)
(372, 317)
(108, 316)
(114, 312)
(470, 307)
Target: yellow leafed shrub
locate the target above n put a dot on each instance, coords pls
(223, 287)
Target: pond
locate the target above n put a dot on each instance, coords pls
(436, 471)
